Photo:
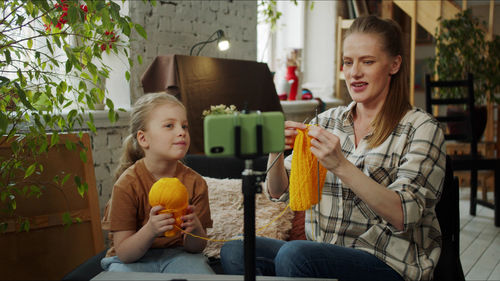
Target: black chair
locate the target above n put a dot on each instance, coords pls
(449, 266)
(473, 161)
(87, 270)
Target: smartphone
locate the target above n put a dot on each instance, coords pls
(244, 134)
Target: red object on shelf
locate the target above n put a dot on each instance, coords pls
(291, 75)
(282, 96)
(306, 94)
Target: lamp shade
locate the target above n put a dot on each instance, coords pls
(222, 42)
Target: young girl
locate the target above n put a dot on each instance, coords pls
(158, 139)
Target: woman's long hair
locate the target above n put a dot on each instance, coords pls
(397, 101)
(138, 119)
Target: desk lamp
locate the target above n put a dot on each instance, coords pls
(222, 42)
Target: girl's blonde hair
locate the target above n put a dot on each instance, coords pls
(138, 119)
(397, 102)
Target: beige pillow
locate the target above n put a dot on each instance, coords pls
(226, 208)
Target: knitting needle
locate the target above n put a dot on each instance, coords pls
(318, 225)
(279, 154)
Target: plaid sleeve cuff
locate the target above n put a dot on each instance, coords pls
(412, 212)
(282, 198)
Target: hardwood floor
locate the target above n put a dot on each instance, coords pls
(479, 241)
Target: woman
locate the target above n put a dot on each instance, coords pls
(385, 163)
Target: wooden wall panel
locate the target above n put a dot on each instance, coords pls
(50, 250)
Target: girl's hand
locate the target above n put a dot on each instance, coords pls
(291, 132)
(190, 220)
(326, 147)
(160, 223)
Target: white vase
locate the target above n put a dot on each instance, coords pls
(99, 106)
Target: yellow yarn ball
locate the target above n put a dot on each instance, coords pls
(173, 196)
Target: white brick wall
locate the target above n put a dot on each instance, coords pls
(106, 152)
(173, 27)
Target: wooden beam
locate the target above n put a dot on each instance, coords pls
(387, 9)
(491, 20)
(413, 41)
(490, 122)
(498, 132)
(489, 132)
(440, 13)
(338, 63)
(436, 77)
(429, 12)
(345, 24)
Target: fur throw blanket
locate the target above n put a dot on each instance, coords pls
(226, 208)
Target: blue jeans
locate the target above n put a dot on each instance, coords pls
(301, 258)
(171, 260)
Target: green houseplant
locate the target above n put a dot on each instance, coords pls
(51, 61)
(462, 48)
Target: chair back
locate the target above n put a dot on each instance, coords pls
(466, 120)
(449, 266)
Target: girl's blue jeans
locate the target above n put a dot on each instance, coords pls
(301, 258)
(171, 260)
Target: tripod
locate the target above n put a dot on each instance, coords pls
(251, 185)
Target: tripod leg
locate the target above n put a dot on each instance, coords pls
(249, 183)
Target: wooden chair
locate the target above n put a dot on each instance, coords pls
(449, 266)
(473, 161)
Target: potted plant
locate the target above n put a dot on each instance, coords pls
(52, 70)
(461, 48)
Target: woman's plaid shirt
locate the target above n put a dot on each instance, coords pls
(411, 161)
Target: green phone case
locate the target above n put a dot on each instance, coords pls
(219, 133)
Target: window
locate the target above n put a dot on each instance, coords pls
(300, 27)
(36, 49)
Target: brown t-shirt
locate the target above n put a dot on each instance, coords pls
(129, 206)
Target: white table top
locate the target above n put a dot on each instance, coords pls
(105, 275)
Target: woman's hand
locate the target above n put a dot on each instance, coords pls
(291, 132)
(386, 203)
(191, 222)
(326, 147)
(159, 223)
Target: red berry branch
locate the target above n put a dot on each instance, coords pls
(112, 39)
(62, 19)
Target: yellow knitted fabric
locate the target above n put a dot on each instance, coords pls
(303, 187)
(173, 196)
